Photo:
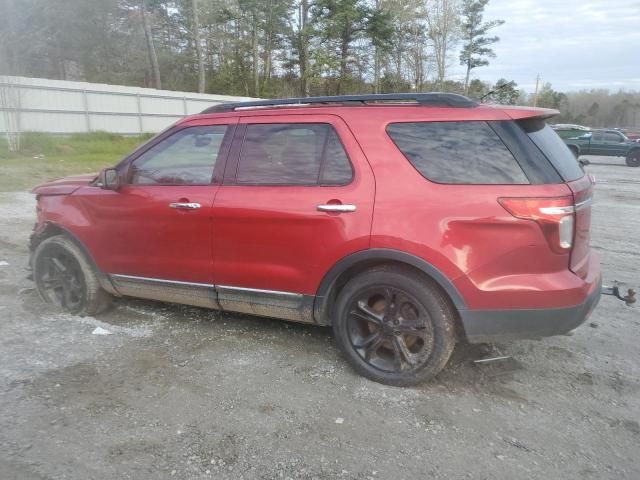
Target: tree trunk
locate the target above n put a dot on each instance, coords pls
(303, 46)
(198, 42)
(254, 51)
(376, 71)
(266, 69)
(466, 78)
(344, 53)
(151, 49)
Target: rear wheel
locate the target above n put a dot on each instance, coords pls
(65, 278)
(394, 326)
(633, 159)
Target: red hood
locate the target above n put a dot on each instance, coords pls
(64, 186)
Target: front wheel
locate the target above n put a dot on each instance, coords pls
(394, 326)
(65, 278)
(633, 159)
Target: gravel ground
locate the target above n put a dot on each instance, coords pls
(178, 392)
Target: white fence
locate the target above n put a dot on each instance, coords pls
(56, 106)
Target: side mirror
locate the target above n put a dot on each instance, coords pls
(108, 179)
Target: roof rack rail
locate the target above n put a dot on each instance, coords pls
(435, 99)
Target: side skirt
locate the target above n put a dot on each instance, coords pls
(266, 303)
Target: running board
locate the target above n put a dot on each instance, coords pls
(266, 303)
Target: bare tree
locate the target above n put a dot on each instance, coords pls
(151, 49)
(443, 23)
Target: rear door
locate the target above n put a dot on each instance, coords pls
(597, 145)
(297, 197)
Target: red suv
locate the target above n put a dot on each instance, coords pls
(406, 222)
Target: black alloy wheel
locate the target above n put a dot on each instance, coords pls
(394, 325)
(60, 279)
(389, 330)
(66, 278)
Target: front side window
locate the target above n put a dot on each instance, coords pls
(612, 137)
(292, 154)
(457, 152)
(187, 157)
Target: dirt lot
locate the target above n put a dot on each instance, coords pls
(177, 392)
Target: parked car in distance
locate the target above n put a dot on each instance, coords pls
(631, 134)
(405, 222)
(567, 130)
(606, 142)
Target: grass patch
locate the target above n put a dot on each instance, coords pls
(43, 157)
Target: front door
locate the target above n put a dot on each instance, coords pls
(615, 144)
(297, 197)
(158, 224)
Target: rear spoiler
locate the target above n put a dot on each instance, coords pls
(518, 113)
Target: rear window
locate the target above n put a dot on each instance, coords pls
(457, 152)
(552, 146)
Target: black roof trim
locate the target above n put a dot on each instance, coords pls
(426, 99)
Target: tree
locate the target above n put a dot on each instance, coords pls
(301, 31)
(342, 22)
(380, 30)
(504, 92)
(475, 49)
(443, 24)
(549, 98)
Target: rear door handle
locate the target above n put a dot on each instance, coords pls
(185, 205)
(336, 208)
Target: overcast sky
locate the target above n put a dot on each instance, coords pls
(574, 44)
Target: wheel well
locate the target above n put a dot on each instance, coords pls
(50, 230)
(325, 313)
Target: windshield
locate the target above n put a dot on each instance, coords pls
(552, 146)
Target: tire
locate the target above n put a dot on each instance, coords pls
(66, 279)
(633, 159)
(394, 326)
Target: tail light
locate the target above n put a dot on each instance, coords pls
(555, 216)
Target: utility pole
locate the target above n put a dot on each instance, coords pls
(535, 95)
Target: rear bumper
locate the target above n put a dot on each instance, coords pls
(483, 326)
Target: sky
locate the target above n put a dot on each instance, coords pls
(573, 44)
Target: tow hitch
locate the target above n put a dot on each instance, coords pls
(628, 299)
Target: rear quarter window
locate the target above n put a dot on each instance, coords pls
(552, 147)
(457, 152)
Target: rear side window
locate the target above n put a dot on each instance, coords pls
(293, 154)
(457, 152)
(552, 146)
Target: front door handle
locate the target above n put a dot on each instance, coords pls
(185, 205)
(337, 207)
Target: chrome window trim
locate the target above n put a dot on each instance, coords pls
(258, 290)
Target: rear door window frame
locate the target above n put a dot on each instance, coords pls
(233, 159)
